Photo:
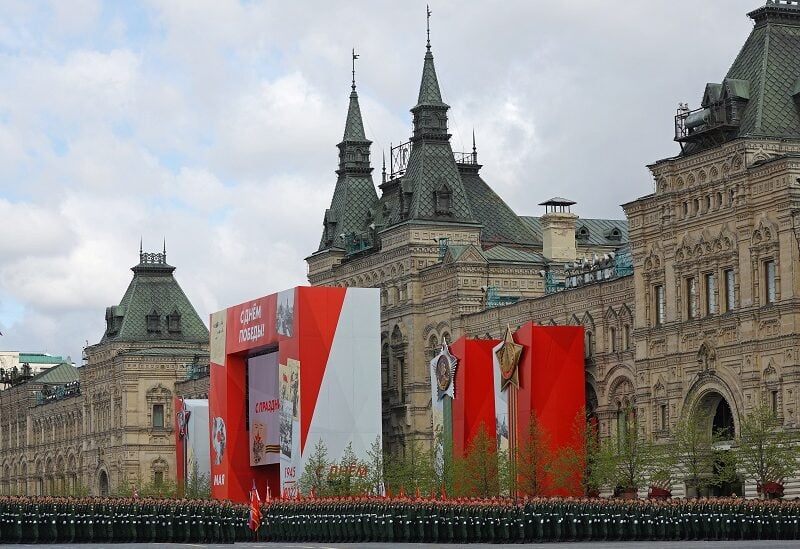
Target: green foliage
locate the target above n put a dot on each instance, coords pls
(533, 461)
(691, 456)
(410, 470)
(629, 459)
(375, 467)
(198, 485)
(478, 474)
(315, 472)
(584, 461)
(765, 452)
(350, 476)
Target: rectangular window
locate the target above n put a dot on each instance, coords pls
(711, 294)
(774, 402)
(158, 478)
(660, 305)
(158, 415)
(626, 337)
(613, 335)
(691, 298)
(730, 291)
(664, 417)
(769, 276)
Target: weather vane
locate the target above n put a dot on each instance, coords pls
(354, 68)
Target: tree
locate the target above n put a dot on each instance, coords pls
(375, 467)
(691, 454)
(198, 485)
(411, 470)
(629, 458)
(532, 462)
(583, 459)
(315, 472)
(349, 477)
(765, 452)
(479, 473)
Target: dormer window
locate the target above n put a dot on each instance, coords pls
(174, 322)
(442, 199)
(153, 322)
(583, 233)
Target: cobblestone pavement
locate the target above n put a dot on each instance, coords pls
(772, 544)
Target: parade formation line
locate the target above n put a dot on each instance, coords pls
(53, 520)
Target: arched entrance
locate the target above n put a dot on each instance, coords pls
(103, 482)
(720, 422)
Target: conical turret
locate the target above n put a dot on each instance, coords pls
(347, 222)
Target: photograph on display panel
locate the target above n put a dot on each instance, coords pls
(264, 412)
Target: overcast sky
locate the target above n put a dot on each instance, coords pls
(213, 124)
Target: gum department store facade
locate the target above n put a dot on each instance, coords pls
(691, 302)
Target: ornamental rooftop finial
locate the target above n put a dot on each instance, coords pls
(428, 8)
(354, 68)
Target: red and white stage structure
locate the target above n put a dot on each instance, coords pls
(288, 370)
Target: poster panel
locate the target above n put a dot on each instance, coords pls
(264, 413)
(500, 402)
(217, 337)
(197, 448)
(289, 381)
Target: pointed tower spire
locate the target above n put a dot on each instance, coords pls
(354, 127)
(354, 197)
(429, 93)
(383, 171)
(474, 148)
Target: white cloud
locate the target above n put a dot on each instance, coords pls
(214, 124)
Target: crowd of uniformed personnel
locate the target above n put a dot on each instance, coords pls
(26, 519)
(64, 520)
(528, 520)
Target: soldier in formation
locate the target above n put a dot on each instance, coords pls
(538, 519)
(111, 520)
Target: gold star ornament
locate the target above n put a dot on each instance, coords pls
(508, 357)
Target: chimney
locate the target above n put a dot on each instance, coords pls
(558, 230)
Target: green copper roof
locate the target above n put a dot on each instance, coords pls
(589, 232)
(154, 293)
(429, 93)
(500, 223)
(39, 358)
(57, 375)
(354, 127)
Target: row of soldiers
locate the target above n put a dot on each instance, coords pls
(528, 520)
(336, 520)
(112, 520)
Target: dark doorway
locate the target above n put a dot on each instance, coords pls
(723, 421)
(103, 483)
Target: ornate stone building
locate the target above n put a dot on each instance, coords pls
(108, 425)
(699, 309)
(716, 247)
(442, 246)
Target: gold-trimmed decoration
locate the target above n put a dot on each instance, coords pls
(508, 356)
(443, 370)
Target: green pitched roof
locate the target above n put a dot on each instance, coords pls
(599, 232)
(504, 254)
(57, 375)
(153, 290)
(500, 223)
(39, 358)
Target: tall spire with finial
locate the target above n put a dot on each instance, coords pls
(383, 171)
(354, 127)
(354, 195)
(429, 93)
(474, 148)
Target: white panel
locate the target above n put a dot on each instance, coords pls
(349, 405)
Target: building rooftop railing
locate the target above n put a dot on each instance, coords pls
(197, 370)
(54, 393)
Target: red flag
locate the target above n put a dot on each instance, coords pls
(269, 495)
(444, 492)
(255, 509)
(311, 493)
(388, 491)
(402, 491)
(416, 491)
